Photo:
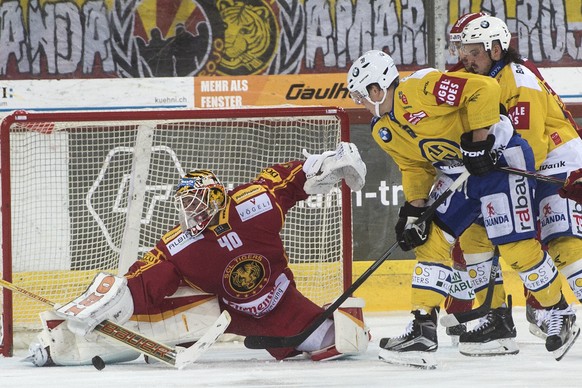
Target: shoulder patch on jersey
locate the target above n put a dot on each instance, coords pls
(248, 192)
(254, 207)
(385, 134)
(449, 89)
(414, 118)
(270, 174)
(172, 234)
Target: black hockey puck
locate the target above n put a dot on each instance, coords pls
(98, 362)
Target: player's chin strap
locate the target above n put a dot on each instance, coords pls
(264, 342)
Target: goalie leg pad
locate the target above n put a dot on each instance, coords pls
(57, 345)
(183, 317)
(107, 298)
(351, 334)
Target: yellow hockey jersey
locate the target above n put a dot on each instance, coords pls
(431, 111)
(534, 111)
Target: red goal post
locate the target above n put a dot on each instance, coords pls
(84, 192)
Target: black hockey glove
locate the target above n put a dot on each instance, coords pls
(478, 157)
(409, 234)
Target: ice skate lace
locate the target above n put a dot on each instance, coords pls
(409, 328)
(553, 319)
(483, 322)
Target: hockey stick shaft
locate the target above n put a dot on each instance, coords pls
(140, 343)
(531, 174)
(455, 319)
(264, 342)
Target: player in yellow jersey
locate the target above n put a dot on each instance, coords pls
(482, 44)
(433, 122)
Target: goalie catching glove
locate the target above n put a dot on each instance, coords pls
(323, 171)
(572, 188)
(107, 298)
(408, 233)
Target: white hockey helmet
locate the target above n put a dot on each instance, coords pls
(199, 197)
(374, 66)
(480, 28)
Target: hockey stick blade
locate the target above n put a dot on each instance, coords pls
(187, 356)
(455, 319)
(265, 342)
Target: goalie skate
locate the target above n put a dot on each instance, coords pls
(416, 347)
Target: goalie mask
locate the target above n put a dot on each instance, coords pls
(199, 197)
(374, 66)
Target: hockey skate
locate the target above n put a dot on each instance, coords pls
(562, 329)
(494, 335)
(416, 347)
(539, 331)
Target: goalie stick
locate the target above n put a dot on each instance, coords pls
(263, 342)
(455, 319)
(178, 357)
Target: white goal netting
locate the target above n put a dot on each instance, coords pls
(72, 213)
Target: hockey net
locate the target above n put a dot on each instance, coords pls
(92, 191)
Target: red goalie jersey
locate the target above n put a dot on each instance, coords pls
(241, 260)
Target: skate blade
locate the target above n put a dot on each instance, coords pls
(561, 352)
(416, 359)
(500, 347)
(535, 330)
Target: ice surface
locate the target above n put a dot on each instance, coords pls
(231, 365)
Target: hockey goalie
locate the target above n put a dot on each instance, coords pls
(226, 253)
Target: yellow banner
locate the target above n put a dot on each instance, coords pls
(329, 89)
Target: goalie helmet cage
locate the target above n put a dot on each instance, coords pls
(84, 192)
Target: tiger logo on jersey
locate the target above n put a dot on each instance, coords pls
(246, 275)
